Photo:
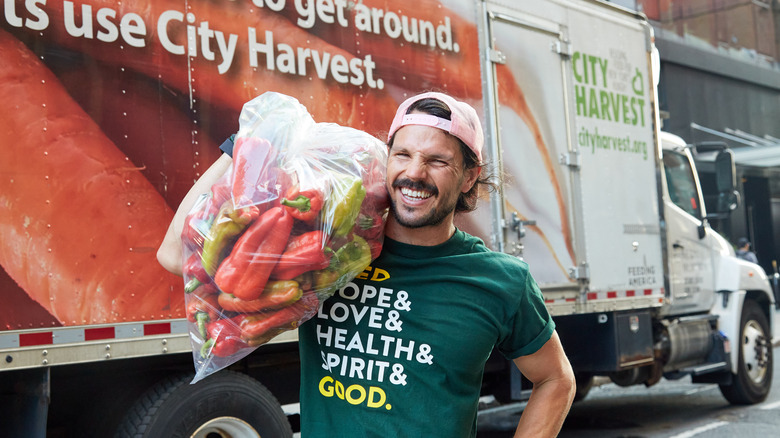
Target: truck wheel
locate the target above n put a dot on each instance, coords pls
(225, 404)
(754, 371)
(584, 384)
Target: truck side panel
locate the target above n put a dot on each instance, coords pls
(154, 88)
(581, 156)
(613, 92)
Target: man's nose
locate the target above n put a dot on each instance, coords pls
(416, 169)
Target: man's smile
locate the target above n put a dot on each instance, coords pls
(415, 191)
(415, 194)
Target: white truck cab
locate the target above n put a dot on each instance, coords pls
(706, 281)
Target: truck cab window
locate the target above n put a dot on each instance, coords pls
(680, 183)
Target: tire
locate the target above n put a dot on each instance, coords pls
(584, 384)
(225, 404)
(754, 369)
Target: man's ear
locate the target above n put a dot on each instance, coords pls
(470, 178)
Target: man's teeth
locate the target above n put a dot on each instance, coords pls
(409, 193)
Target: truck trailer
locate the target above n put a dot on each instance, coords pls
(114, 108)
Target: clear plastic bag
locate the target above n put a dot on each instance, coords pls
(300, 214)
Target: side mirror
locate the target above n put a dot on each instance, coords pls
(725, 172)
(726, 181)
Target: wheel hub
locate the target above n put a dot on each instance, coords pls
(225, 427)
(755, 351)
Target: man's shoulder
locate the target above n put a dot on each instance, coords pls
(490, 260)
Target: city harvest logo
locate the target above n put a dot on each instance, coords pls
(609, 92)
(609, 96)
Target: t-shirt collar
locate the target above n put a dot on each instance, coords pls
(451, 246)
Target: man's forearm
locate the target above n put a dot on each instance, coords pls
(546, 409)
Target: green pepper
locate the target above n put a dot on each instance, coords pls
(349, 261)
(344, 204)
(201, 309)
(229, 223)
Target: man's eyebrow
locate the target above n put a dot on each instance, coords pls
(429, 156)
(445, 157)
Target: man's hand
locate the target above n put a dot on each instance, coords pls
(553, 391)
(169, 253)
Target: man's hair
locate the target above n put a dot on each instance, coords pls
(466, 201)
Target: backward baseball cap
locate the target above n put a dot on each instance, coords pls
(464, 122)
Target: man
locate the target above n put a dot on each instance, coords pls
(400, 351)
(744, 252)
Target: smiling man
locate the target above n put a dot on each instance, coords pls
(400, 351)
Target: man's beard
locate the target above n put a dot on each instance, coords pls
(435, 216)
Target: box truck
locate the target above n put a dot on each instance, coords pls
(112, 109)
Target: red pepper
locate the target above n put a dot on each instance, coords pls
(205, 210)
(195, 272)
(370, 225)
(246, 270)
(220, 192)
(303, 205)
(252, 171)
(377, 198)
(276, 294)
(224, 337)
(305, 252)
(259, 328)
(201, 309)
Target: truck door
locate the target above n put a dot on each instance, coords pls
(528, 124)
(689, 248)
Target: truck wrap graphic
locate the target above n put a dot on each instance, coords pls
(162, 83)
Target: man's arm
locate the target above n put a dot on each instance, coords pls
(169, 253)
(553, 391)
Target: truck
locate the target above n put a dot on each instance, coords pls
(114, 108)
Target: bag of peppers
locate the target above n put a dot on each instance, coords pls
(299, 215)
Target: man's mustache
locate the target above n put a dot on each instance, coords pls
(415, 185)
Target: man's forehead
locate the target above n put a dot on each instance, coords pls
(426, 139)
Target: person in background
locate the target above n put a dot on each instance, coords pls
(744, 252)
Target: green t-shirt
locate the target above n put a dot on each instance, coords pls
(400, 351)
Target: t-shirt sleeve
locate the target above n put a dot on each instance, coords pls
(227, 145)
(531, 326)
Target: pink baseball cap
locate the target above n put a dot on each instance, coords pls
(464, 123)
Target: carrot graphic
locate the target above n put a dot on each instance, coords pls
(79, 224)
